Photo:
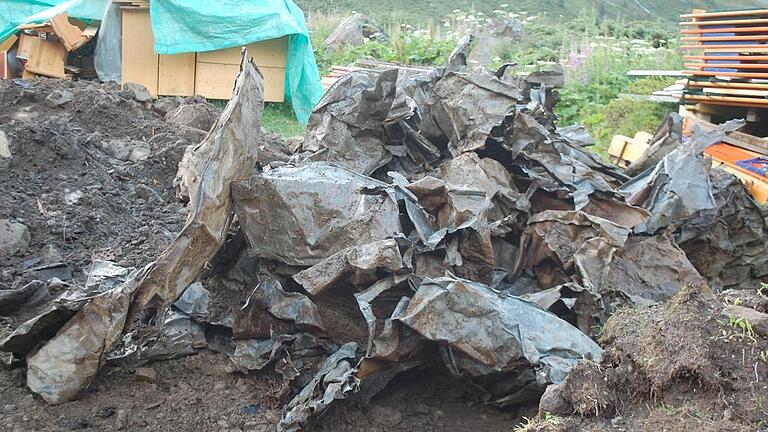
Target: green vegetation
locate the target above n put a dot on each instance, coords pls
(395, 11)
(595, 52)
(280, 119)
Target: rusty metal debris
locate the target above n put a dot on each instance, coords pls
(428, 219)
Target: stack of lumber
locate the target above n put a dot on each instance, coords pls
(727, 57)
(366, 64)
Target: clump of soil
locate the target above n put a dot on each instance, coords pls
(90, 173)
(680, 366)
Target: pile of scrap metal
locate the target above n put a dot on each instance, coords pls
(427, 220)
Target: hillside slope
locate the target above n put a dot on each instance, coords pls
(422, 10)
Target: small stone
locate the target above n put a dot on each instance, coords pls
(163, 105)
(146, 374)
(219, 386)
(58, 98)
(137, 91)
(199, 116)
(139, 152)
(552, 401)
(50, 255)
(223, 424)
(118, 149)
(56, 283)
(14, 238)
(120, 419)
(148, 194)
(5, 146)
(73, 198)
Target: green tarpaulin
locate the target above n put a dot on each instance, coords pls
(14, 13)
(196, 25)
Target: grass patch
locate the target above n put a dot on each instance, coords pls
(279, 118)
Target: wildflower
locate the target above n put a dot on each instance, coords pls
(446, 24)
(503, 5)
(479, 14)
(471, 17)
(456, 11)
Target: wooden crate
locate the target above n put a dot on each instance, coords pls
(210, 74)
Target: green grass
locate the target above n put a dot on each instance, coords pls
(280, 119)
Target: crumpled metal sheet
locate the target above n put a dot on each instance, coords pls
(727, 243)
(357, 265)
(552, 239)
(488, 333)
(335, 379)
(42, 327)
(232, 141)
(646, 269)
(194, 301)
(567, 246)
(256, 354)
(102, 276)
(556, 164)
(668, 137)
(577, 135)
(302, 215)
(175, 335)
(30, 294)
(105, 275)
(572, 302)
(347, 123)
(69, 362)
(474, 103)
(679, 185)
(269, 309)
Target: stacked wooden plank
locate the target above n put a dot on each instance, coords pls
(727, 59)
(366, 64)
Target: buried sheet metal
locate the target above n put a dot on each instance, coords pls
(68, 363)
(30, 294)
(335, 379)
(232, 141)
(312, 212)
(357, 265)
(175, 335)
(270, 309)
(487, 332)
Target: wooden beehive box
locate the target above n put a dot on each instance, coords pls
(210, 74)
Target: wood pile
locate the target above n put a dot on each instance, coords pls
(42, 49)
(365, 64)
(727, 61)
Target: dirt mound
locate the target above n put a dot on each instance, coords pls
(681, 366)
(90, 173)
